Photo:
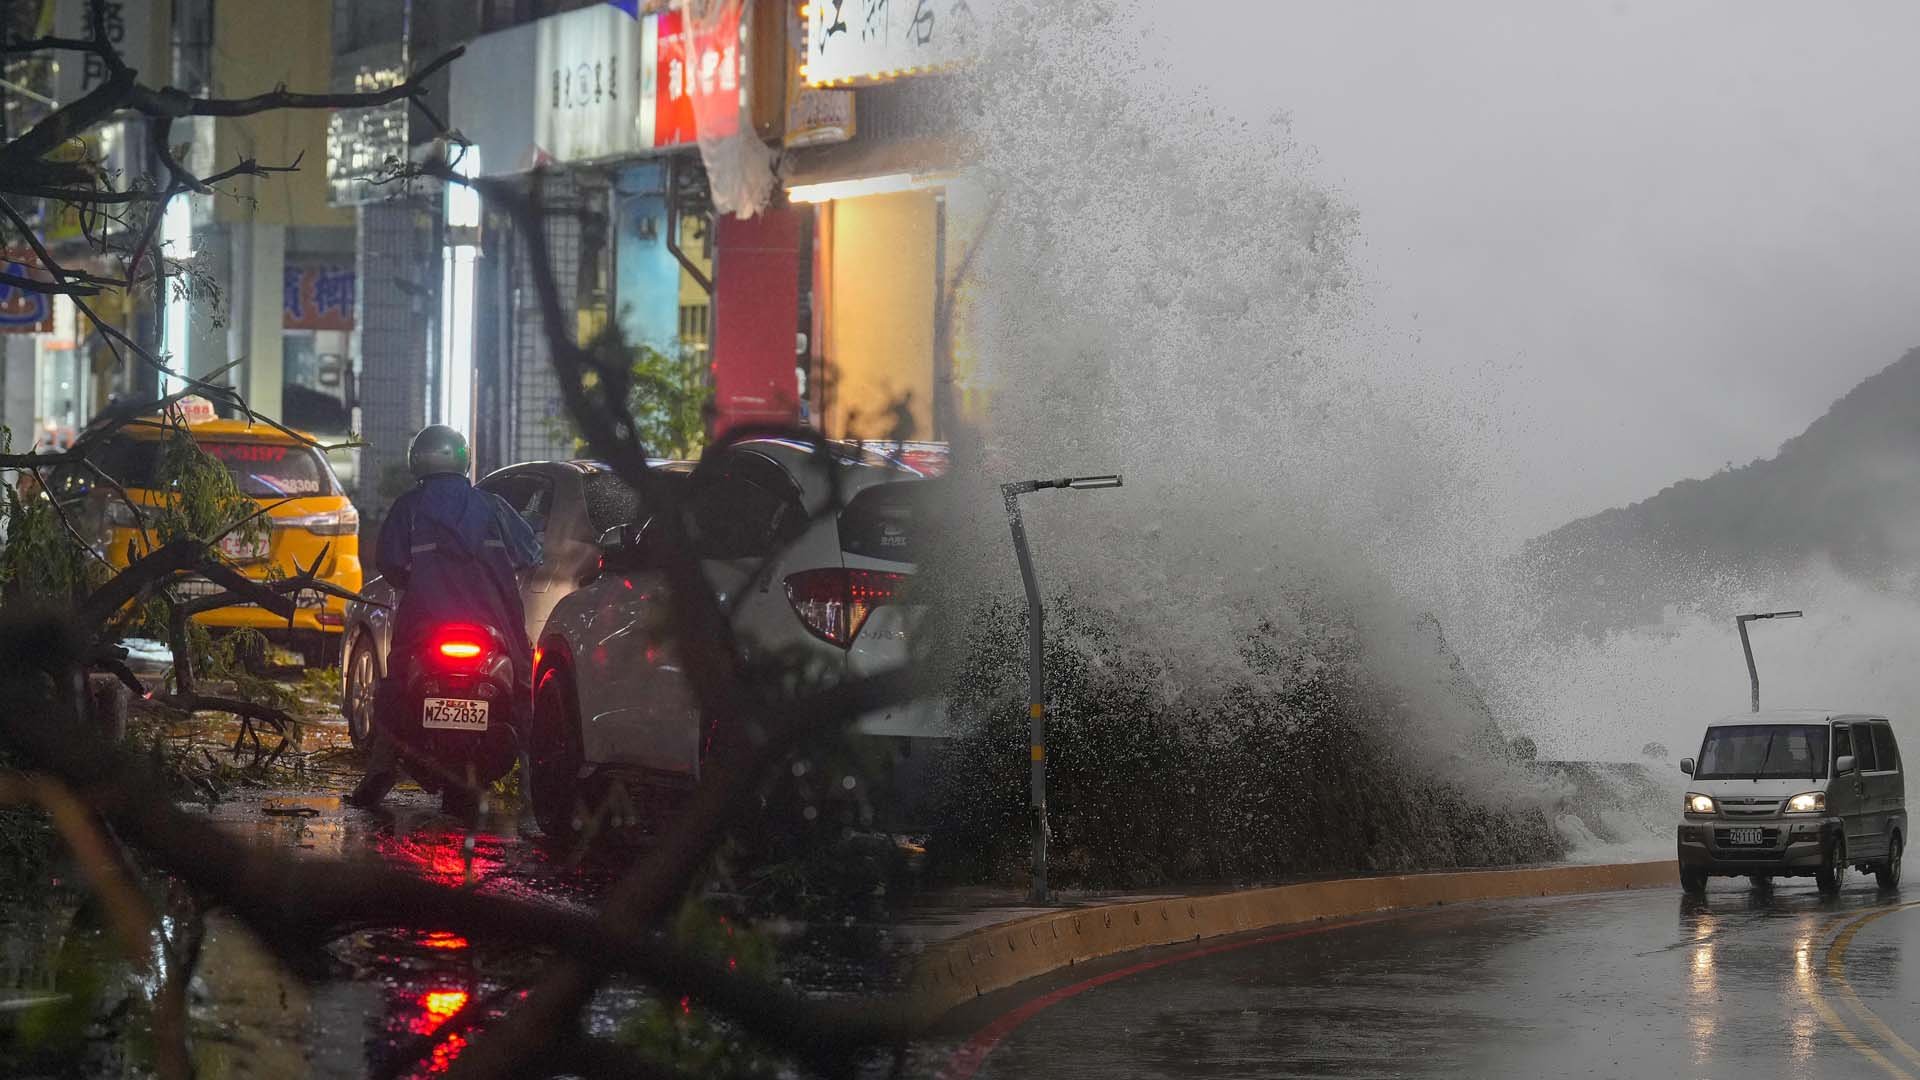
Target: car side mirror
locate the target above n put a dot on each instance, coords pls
(630, 546)
(617, 547)
(1843, 765)
(1686, 765)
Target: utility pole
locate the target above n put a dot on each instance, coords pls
(1037, 663)
(1746, 646)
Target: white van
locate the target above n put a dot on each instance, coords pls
(1793, 793)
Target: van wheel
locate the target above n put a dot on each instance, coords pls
(1888, 873)
(1693, 882)
(1830, 877)
(556, 756)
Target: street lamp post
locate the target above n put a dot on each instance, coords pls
(1037, 661)
(1746, 646)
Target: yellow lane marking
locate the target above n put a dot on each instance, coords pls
(1836, 970)
(1836, 964)
(1840, 1028)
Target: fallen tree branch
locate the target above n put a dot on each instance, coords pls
(294, 904)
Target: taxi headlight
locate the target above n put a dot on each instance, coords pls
(1807, 802)
(1699, 804)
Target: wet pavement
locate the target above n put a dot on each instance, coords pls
(1745, 983)
(382, 988)
(249, 1016)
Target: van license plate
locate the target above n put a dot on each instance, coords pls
(1744, 837)
(454, 714)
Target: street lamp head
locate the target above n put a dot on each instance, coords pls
(1771, 615)
(1088, 483)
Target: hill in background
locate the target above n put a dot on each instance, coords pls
(1846, 490)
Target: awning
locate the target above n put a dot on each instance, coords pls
(860, 159)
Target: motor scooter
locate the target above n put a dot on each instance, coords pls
(453, 710)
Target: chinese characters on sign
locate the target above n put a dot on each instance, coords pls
(815, 117)
(23, 311)
(128, 25)
(601, 83)
(705, 84)
(588, 78)
(317, 298)
(881, 39)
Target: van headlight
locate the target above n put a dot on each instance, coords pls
(1698, 803)
(1807, 802)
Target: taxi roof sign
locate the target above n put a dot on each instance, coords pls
(195, 409)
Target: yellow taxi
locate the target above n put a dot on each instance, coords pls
(307, 512)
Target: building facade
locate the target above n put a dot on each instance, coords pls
(351, 305)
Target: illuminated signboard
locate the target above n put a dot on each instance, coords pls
(317, 298)
(866, 40)
(702, 74)
(588, 78)
(606, 85)
(23, 311)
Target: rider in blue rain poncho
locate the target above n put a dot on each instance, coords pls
(454, 551)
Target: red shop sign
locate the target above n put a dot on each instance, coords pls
(707, 82)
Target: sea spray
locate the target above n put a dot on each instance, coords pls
(1164, 292)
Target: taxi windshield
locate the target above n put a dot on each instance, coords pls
(1763, 752)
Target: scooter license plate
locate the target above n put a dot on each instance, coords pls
(1745, 837)
(454, 714)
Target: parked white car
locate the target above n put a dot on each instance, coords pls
(814, 596)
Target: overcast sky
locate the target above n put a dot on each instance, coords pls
(1674, 231)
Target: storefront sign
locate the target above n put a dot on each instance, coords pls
(588, 78)
(868, 40)
(23, 311)
(317, 298)
(699, 74)
(129, 29)
(815, 117)
(608, 85)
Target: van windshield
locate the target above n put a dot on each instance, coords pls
(1763, 752)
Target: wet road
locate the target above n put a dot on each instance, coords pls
(1746, 983)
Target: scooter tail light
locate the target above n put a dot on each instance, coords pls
(461, 646)
(834, 603)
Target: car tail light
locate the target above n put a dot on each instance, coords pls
(835, 603)
(460, 646)
(343, 522)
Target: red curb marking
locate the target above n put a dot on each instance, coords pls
(967, 1059)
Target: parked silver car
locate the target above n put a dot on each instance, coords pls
(567, 503)
(814, 594)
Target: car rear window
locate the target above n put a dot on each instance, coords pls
(262, 470)
(1884, 748)
(880, 522)
(610, 501)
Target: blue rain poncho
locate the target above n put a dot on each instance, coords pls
(455, 551)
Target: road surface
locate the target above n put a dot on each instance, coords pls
(1745, 983)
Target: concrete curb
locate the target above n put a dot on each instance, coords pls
(954, 972)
